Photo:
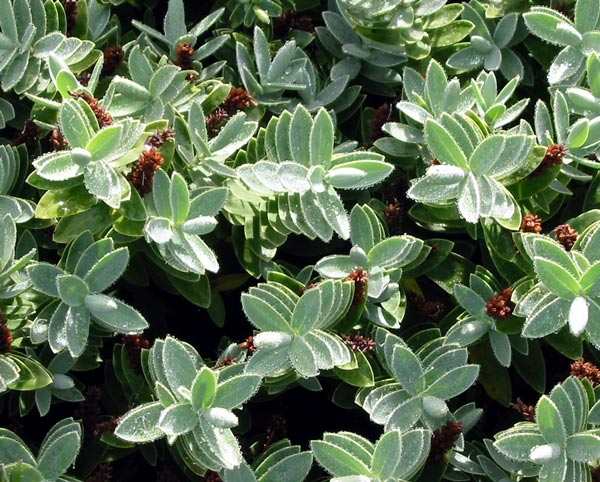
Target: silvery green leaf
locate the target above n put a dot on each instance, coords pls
(549, 319)
(9, 373)
(115, 315)
(177, 419)
(568, 64)
(103, 181)
(220, 417)
(552, 26)
(140, 425)
(158, 230)
(407, 369)
(57, 166)
(262, 314)
(302, 358)
(335, 266)
(465, 59)
(583, 447)
(518, 445)
(235, 391)
(107, 270)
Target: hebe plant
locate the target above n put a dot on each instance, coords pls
(300, 240)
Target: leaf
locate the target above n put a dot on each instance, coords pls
(140, 425)
(336, 460)
(358, 174)
(517, 445)
(58, 455)
(235, 391)
(262, 314)
(550, 422)
(552, 27)
(583, 447)
(302, 358)
(204, 389)
(321, 139)
(306, 312)
(43, 276)
(177, 419)
(549, 319)
(555, 278)
(107, 270)
(453, 383)
(386, 458)
(407, 369)
(443, 146)
(115, 315)
(180, 198)
(57, 166)
(395, 252)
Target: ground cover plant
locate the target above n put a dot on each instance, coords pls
(299, 240)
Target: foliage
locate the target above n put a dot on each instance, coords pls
(378, 219)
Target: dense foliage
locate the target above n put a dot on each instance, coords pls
(289, 240)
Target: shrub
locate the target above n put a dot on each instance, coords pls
(298, 240)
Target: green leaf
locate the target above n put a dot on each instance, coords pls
(71, 289)
(358, 174)
(306, 312)
(518, 445)
(180, 198)
(114, 315)
(454, 382)
(550, 422)
(107, 270)
(177, 419)
(407, 369)
(204, 389)
(140, 425)
(336, 460)
(395, 252)
(75, 124)
(57, 456)
(302, 358)
(57, 166)
(321, 139)
(300, 131)
(443, 146)
(262, 315)
(583, 447)
(43, 276)
(235, 391)
(556, 278)
(386, 458)
(552, 27)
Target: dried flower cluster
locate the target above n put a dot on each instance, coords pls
(142, 173)
(103, 474)
(500, 306)
(29, 136)
(102, 115)
(554, 156)
(113, 57)
(427, 309)
(443, 440)
(358, 342)
(58, 141)
(360, 278)
(133, 347)
(394, 215)
(276, 430)
(566, 235)
(70, 7)
(385, 113)
(237, 100)
(89, 410)
(584, 369)
(159, 138)
(531, 223)
(527, 411)
(290, 20)
(248, 344)
(6, 337)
